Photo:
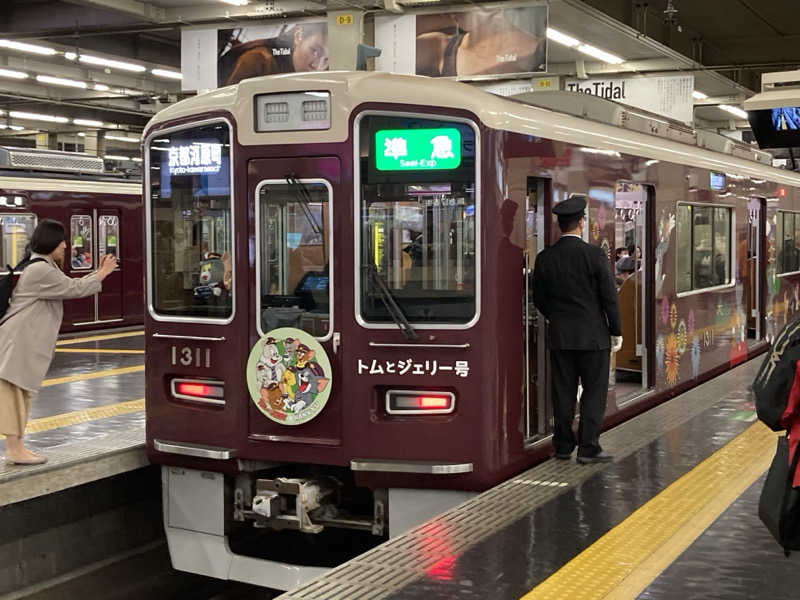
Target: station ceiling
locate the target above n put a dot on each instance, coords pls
(727, 44)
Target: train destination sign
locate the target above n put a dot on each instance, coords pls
(196, 158)
(417, 149)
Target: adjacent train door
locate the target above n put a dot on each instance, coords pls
(634, 267)
(93, 233)
(752, 272)
(537, 411)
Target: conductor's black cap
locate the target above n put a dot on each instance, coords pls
(574, 205)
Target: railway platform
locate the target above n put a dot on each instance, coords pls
(96, 498)
(674, 516)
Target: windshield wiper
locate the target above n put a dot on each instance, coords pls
(391, 304)
(301, 193)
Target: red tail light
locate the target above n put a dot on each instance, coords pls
(211, 392)
(419, 402)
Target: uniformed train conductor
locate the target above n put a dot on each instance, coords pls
(574, 289)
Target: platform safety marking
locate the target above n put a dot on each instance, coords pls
(543, 483)
(95, 375)
(98, 351)
(83, 416)
(624, 561)
(97, 338)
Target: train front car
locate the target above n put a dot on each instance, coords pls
(324, 353)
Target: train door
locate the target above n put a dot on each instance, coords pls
(633, 271)
(109, 301)
(752, 272)
(93, 233)
(294, 258)
(536, 411)
(80, 261)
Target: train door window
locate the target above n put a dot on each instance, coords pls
(418, 220)
(707, 229)
(15, 235)
(787, 235)
(190, 229)
(108, 235)
(294, 252)
(81, 246)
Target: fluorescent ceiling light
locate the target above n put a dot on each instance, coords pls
(236, 2)
(699, 95)
(11, 127)
(167, 74)
(81, 134)
(26, 116)
(87, 122)
(562, 38)
(120, 138)
(136, 159)
(116, 157)
(13, 74)
(23, 47)
(101, 87)
(61, 81)
(734, 111)
(606, 57)
(105, 62)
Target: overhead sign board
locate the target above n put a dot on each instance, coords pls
(417, 149)
(669, 96)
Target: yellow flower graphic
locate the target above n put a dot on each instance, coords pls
(671, 359)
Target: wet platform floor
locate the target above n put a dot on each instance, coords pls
(674, 516)
(90, 408)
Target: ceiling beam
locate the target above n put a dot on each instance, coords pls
(143, 10)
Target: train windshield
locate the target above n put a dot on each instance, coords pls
(293, 249)
(191, 220)
(418, 219)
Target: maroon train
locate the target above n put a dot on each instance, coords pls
(340, 335)
(102, 214)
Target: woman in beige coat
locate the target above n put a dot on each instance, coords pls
(29, 330)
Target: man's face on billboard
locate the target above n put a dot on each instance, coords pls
(310, 50)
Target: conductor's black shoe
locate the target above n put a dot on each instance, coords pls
(563, 455)
(600, 457)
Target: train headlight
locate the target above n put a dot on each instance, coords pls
(295, 111)
(419, 402)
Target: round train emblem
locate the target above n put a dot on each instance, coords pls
(289, 376)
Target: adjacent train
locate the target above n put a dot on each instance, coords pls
(340, 334)
(102, 214)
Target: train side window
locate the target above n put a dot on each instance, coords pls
(787, 237)
(81, 254)
(294, 244)
(108, 235)
(15, 235)
(704, 247)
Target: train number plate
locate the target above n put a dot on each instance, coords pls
(191, 356)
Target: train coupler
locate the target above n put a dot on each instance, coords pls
(283, 503)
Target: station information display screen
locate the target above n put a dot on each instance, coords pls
(417, 149)
(776, 127)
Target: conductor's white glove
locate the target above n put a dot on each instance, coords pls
(616, 343)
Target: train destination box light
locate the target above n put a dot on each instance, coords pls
(417, 149)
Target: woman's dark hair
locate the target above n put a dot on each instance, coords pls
(47, 236)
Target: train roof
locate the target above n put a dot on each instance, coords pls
(351, 89)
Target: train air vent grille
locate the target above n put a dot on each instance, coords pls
(49, 161)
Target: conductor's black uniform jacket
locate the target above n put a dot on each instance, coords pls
(574, 289)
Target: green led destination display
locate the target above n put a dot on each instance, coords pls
(417, 149)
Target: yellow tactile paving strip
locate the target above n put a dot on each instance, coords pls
(626, 559)
(94, 375)
(97, 338)
(98, 351)
(83, 416)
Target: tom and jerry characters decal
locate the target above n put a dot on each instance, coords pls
(289, 376)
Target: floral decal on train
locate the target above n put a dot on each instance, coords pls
(289, 376)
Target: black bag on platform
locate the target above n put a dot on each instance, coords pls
(779, 504)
